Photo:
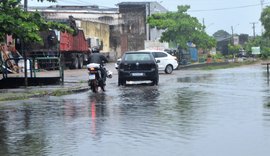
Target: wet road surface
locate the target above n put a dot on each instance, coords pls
(190, 113)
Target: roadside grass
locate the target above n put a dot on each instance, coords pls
(22, 96)
(33, 94)
(60, 92)
(11, 98)
(229, 65)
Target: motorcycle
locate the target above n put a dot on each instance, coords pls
(95, 79)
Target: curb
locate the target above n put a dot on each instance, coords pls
(33, 93)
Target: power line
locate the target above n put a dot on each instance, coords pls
(229, 8)
(80, 2)
(75, 2)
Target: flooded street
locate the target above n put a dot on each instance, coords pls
(190, 113)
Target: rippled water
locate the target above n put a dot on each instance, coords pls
(210, 113)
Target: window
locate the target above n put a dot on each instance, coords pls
(159, 54)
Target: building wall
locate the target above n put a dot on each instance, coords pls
(99, 34)
(134, 27)
(108, 18)
(115, 40)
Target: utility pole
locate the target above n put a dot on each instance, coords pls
(253, 27)
(25, 5)
(262, 2)
(203, 24)
(262, 29)
(24, 52)
(232, 35)
(232, 28)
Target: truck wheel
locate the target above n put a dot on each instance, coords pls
(75, 63)
(80, 62)
(155, 81)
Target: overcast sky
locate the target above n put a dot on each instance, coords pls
(216, 14)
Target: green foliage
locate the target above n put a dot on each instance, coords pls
(218, 56)
(234, 49)
(26, 25)
(264, 42)
(265, 53)
(265, 19)
(180, 27)
(221, 34)
(260, 41)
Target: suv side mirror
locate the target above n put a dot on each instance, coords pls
(158, 61)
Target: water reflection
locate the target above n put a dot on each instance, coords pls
(176, 113)
(183, 111)
(3, 134)
(18, 126)
(223, 111)
(266, 113)
(139, 95)
(98, 112)
(200, 78)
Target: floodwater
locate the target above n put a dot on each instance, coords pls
(191, 113)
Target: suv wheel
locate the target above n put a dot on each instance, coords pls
(121, 82)
(169, 69)
(155, 82)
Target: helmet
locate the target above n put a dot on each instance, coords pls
(95, 49)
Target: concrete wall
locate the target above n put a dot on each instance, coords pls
(115, 40)
(98, 32)
(134, 28)
(155, 45)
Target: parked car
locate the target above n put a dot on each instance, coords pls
(138, 66)
(166, 62)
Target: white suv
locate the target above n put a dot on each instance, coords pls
(165, 61)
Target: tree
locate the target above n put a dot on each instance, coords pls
(234, 49)
(265, 19)
(181, 28)
(221, 34)
(262, 42)
(25, 25)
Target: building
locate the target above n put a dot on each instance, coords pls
(135, 30)
(116, 30)
(94, 21)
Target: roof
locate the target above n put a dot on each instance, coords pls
(72, 8)
(135, 3)
(143, 3)
(220, 39)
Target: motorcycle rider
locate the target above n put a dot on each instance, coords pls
(98, 58)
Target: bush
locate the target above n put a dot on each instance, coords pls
(218, 56)
(265, 53)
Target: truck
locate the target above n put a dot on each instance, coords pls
(72, 49)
